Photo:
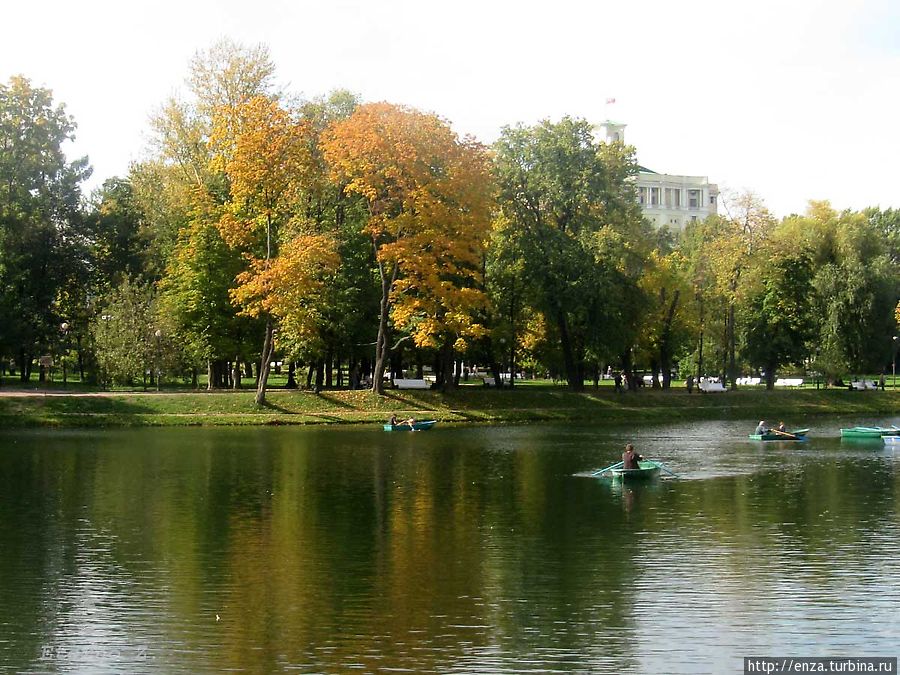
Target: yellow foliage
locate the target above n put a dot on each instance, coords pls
(429, 196)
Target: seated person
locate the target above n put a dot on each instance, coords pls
(761, 428)
(630, 458)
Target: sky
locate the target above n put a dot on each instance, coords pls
(791, 99)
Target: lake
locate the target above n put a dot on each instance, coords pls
(455, 550)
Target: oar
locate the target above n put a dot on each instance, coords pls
(663, 467)
(783, 433)
(609, 468)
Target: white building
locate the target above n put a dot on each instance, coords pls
(667, 199)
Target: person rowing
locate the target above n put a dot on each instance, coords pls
(630, 458)
(761, 428)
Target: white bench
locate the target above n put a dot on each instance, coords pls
(789, 382)
(748, 381)
(862, 385)
(410, 384)
(710, 387)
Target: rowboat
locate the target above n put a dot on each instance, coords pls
(647, 470)
(771, 435)
(891, 440)
(867, 432)
(416, 426)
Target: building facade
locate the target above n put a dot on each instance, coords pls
(669, 200)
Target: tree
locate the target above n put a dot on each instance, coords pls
(123, 333)
(777, 317)
(182, 193)
(268, 165)
(855, 287)
(667, 324)
(576, 222)
(42, 248)
(428, 199)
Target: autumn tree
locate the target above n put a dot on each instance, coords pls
(182, 194)
(428, 199)
(267, 162)
(668, 324)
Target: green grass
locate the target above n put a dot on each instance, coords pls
(468, 404)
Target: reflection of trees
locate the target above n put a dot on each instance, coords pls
(324, 548)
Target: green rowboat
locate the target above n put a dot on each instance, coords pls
(772, 435)
(647, 470)
(867, 432)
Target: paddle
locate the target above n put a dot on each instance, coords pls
(664, 468)
(609, 468)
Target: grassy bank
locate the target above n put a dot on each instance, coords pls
(471, 404)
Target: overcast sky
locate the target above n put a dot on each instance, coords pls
(794, 99)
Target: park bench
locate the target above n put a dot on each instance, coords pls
(401, 383)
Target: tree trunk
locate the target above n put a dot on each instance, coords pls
(445, 375)
(236, 373)
(382, 347)
(732, 367)
(320, 371)
(292, 380)
(572, 370)
(264, 365)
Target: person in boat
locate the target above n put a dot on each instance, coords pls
(630, 458)
(761, 428)
(782, 428)
(393, 421)
(411, 423)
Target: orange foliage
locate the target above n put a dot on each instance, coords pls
(429, 196)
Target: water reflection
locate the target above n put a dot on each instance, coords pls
(469, 550)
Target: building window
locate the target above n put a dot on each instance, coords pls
(712, 200)
(694, 199)
(642, 195)
(654, 196)
(675, 199)
(693, 219)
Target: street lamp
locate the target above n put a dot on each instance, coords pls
(894, 363)
(64, 327)
(158, 335)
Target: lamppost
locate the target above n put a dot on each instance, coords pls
(894, 363)
(158, 335)
(64, 328)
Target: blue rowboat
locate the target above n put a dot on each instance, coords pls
(416, 426)
(773, 435)
(647, 470)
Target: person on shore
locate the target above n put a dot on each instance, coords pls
(630, 458)
(689, 383)
(618, 382)
(761, 428)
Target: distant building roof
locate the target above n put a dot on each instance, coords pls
(644, 169)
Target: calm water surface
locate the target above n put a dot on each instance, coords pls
(457, 550)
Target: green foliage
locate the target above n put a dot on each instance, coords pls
(778, 319)
(124, 334)
(42, 247)
(572, 222)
